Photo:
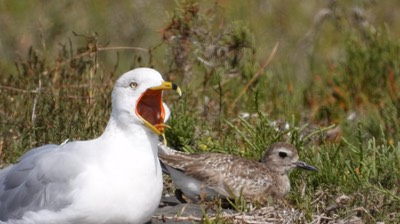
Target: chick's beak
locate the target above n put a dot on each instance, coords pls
(303, 165)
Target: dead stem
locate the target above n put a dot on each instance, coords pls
(255, 77)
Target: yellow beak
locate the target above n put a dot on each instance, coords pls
(168, 86)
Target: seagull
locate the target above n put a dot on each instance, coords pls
(115, 178)
(203, 176)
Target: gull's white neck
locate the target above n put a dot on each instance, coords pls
(115, 128)
(132, 133)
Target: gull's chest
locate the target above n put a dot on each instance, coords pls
(120, 181)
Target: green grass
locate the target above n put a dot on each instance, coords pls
(337, 92)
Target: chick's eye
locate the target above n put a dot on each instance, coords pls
(282, 154)
(133, 85)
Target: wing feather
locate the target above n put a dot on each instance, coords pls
(33, 183)
(221, 171)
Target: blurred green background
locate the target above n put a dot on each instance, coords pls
(301, 27)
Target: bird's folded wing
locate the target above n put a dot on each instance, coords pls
(35, 183)
(228, 175)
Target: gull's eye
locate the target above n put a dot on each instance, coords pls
(133, 85)
(282, 154)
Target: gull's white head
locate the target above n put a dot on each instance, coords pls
(137, 99)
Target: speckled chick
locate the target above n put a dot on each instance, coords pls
(208, 175)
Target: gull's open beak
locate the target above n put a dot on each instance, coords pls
(150, 109)
(303, 165)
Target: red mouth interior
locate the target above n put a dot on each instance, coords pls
(150, 108)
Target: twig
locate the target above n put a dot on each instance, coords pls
(1, 152)
(255, 77)
(17, 89)
(317, 199)
(319, 218)
(54, 94)
(98, 49)
(385, 191)
(123, 48)
(37, 92)
(320, 130)
(177, 218)
(245, 218)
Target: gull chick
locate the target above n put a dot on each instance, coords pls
(209, 175)
(115, 178)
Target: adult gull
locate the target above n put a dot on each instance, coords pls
(115, 178)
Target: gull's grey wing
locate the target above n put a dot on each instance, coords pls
(38, 181)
